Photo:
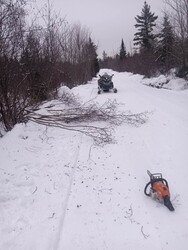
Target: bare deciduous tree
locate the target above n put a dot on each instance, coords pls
(36, 60)
(12, 99)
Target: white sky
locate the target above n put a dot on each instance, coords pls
(108, 20)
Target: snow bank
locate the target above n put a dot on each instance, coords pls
(177, 84)
(63, 90)
(167, 82)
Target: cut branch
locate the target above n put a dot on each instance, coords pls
(79, 119)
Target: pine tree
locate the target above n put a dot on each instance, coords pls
(166, 44)
(104, 55)
(145, 23)
(122, 53)
(92, 57)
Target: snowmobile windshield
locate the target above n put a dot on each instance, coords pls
(106, 78)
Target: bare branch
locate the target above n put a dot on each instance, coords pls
(79, 118)
(142, 231)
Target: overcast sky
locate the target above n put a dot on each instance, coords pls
(108, 20)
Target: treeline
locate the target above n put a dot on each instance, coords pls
(156, 50)
(35, 60)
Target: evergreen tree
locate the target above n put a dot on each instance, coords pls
(92, 58)
(104, 55)
(122, 53)
(145, 23)
(166, 43)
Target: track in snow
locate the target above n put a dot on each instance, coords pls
(66, 201)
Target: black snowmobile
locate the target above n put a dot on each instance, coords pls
(105, 83)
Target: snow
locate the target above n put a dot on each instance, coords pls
(60, 191)
(167, 82)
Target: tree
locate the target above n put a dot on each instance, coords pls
(12, 82)
(104, 55)
(122, 53)
(166, 43)
(92, 60)
(179, 15)
(35, 60)
(145, 23)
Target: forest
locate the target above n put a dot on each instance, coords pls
(158, 47)
(36, 59)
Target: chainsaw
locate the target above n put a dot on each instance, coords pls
(159, 189)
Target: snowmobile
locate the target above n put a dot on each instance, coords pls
(105, 83)
(159, 189)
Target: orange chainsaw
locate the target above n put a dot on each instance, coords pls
(159, 189)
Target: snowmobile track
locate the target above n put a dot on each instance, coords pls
(66, 201)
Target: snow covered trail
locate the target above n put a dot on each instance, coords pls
(66, 201)
(61, 192)
(35, 180)
(107, 208)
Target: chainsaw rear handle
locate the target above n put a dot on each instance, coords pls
(152, 182)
